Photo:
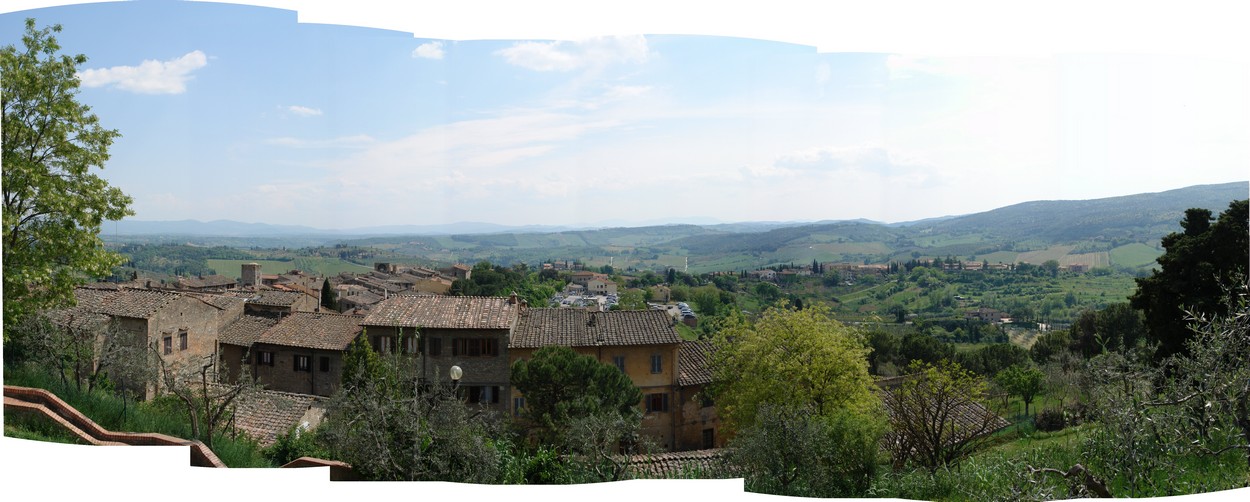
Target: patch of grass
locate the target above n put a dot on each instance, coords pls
(313, 265)
(1134, 255)
(686, 332)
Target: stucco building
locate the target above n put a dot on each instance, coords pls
(643, 344)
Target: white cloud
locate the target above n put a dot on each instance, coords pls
(303, 111)
(863, 161)
(357, 141)
(567, 56)
(150, 77)
(429, 50)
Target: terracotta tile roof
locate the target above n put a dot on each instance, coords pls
(246, 330)
(220, 301)
(578, 328)
(77, 318)
(266, 414)
(123, 302)
(208, 281)
(270, 298)
(971, 418)
(362, 298)
(314, 330)
(692, 363)
(457, 312)
(697, 464)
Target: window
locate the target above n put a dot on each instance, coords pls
(325, 363)
(483, 394)
(384, 344)
(169, 345)
(435, 345)
(410, 345)
(303, 363)
(619, 361)
(475, 347)
(264, 358)
(705, 400)
(182, 340)
(657, 402)
(657, 363)
(517, 404)
(709, 438)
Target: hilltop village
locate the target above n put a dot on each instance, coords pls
(279, 329)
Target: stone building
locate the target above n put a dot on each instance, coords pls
(236, 340)
(303, 352)
(183, 328)
(445, 331)
(643, 344)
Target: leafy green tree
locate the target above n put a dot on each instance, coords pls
(794, 451)
(991, 359)
(790, 357)
(1195, 267)
(53, 203)
(1049, 346)
(631, 299)
(921, 347)
(1022, 380)
(561, 385)
(885, 347)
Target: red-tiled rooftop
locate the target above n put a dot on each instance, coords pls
(579, 328)
(123, 302)
(314, 330)
(700, 464)
(245, 330)
(269, 297)
(265, 415)
(692, 363)
(454, 312)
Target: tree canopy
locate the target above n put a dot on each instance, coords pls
(561, 385)
(790, 357)
(1198, 263)
(53, 203)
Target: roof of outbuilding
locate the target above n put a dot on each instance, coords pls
(697, 464)
(245, 330)
(265, 415)
(314, 330)
(269, 297)
(220, 301)
(208, 281)
(579, 328)
(446, 312)
(692, 363)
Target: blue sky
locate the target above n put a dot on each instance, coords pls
(244, 113)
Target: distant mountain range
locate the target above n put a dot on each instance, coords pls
(1049, 220)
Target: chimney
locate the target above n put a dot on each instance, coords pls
(512, 300)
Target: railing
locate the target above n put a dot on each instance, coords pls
(41, 402)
